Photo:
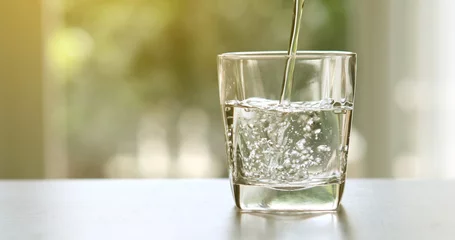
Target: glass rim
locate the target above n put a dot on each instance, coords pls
(284, 54)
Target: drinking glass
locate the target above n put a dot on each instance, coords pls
(287, 154)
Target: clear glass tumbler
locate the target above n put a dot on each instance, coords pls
(287, 155)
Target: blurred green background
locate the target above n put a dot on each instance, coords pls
(117, 88)
(151, 66)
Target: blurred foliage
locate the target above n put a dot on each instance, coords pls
(123, 58)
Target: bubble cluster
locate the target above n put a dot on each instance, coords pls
(276, 143)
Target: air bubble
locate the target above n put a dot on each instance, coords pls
(283, 124)
(324, 148)
(295, 154)
(287, 163)
(301, 144)
(310, 122)
(307, 128)
(303, 175)
(303, 118)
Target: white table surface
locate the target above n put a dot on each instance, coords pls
(204, 209)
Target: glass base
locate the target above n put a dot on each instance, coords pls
(266, 199)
